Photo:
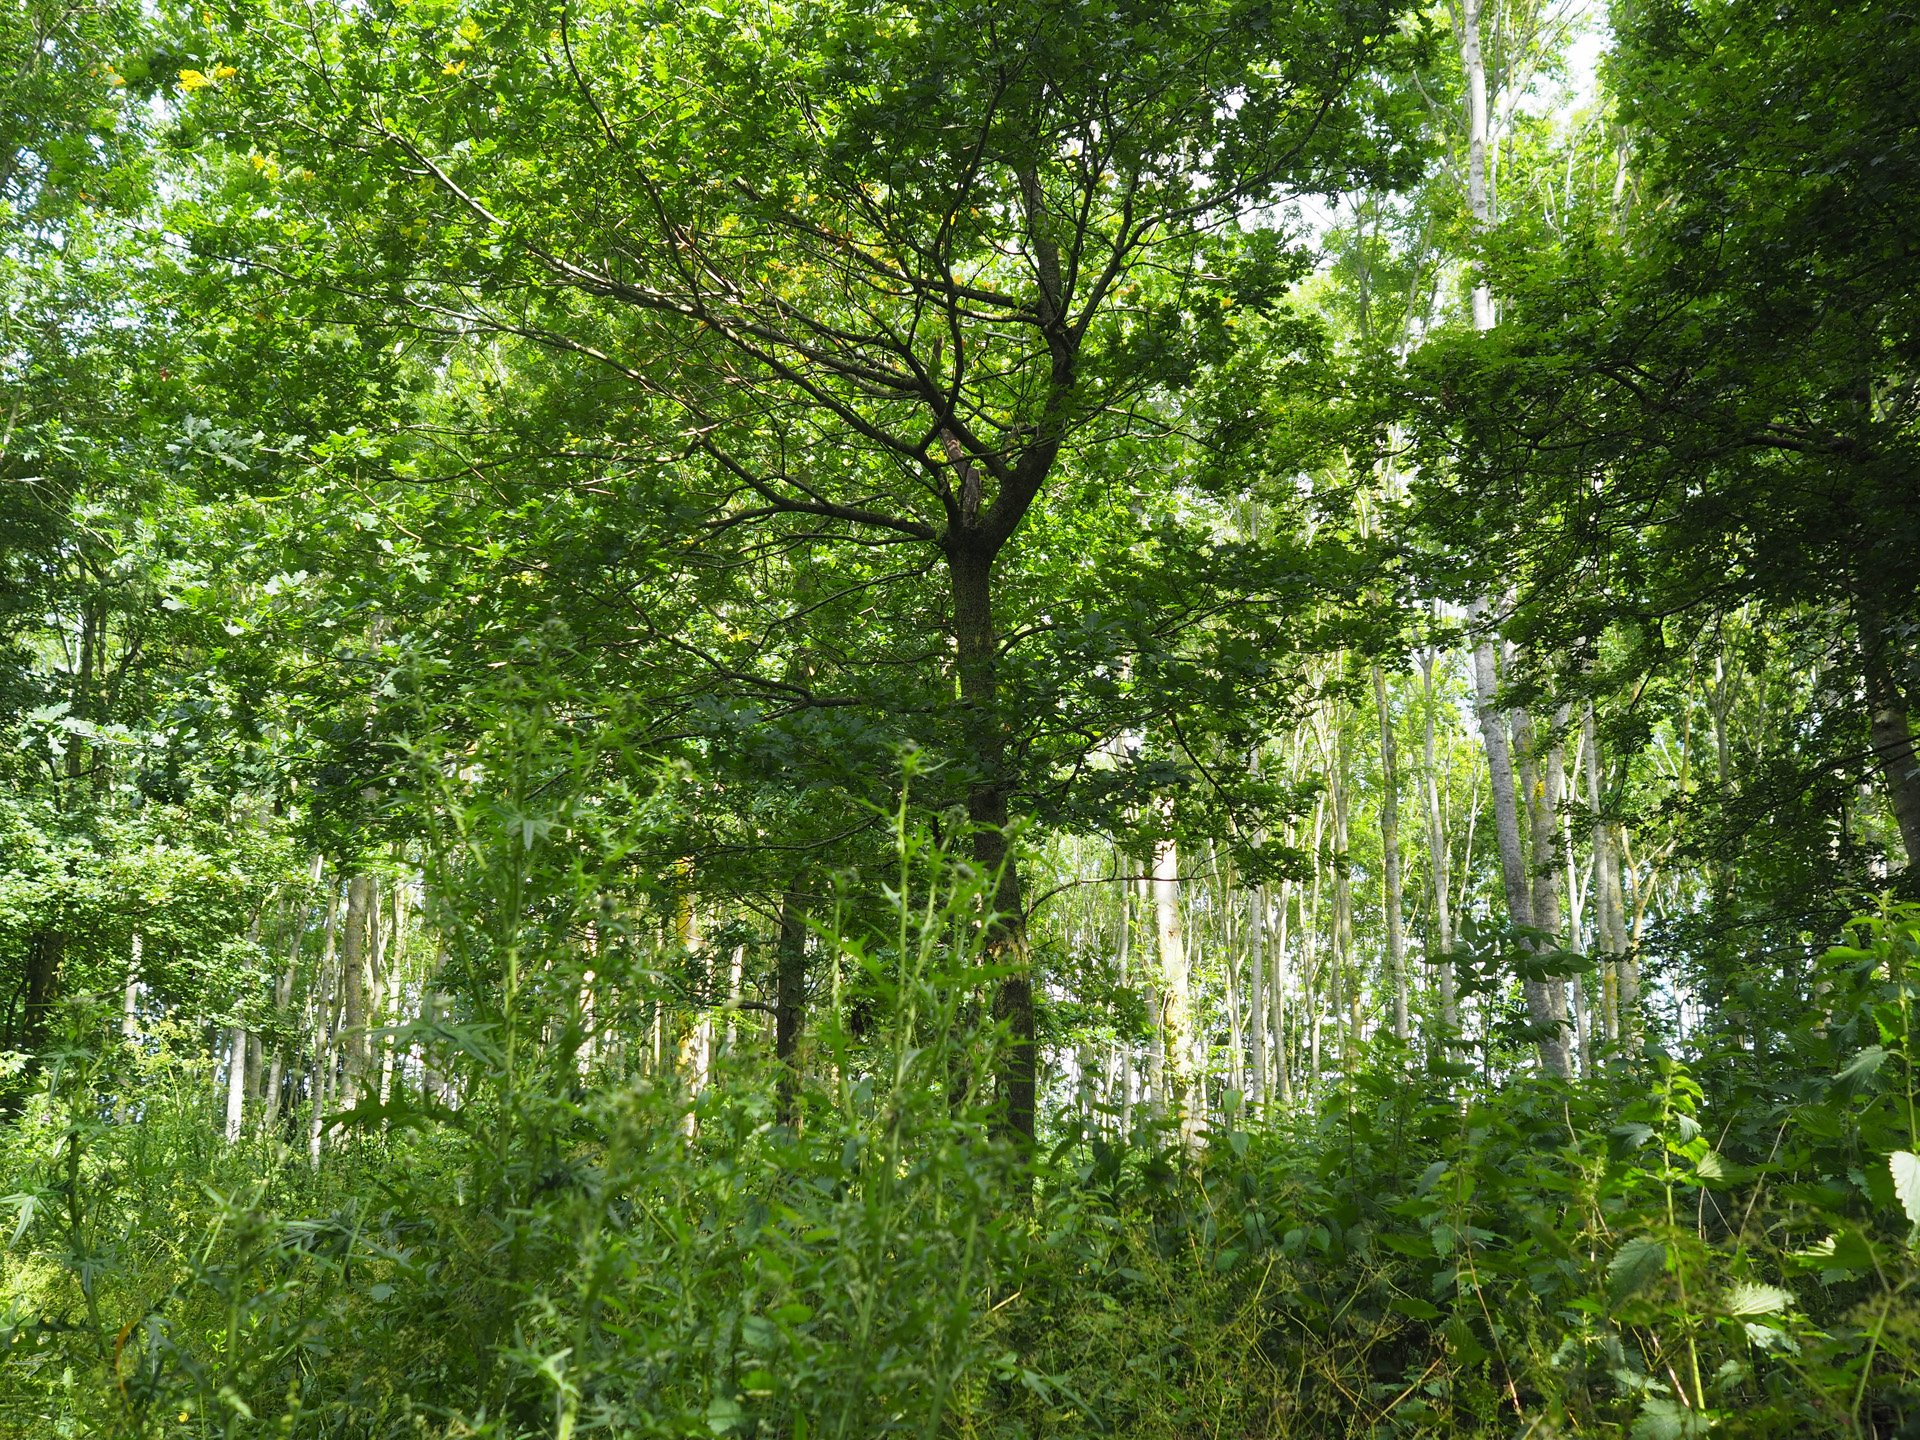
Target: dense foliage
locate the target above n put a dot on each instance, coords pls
(835, 719)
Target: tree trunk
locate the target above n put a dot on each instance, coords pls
(1609, 926)
(392, 982)
(323, 1059)
(1513, 860)
(1176, 1004)
(1440, 861)
(236, 1084)
(1157, 1016)
(1542, 776)
(45, 949)
(789, 1004)
(353, 987)
(1479, 189)
(1344, 967)
(1390, 853)
(1129, 1088)
(130, 996)
(1227, 941)
(1277, 997)
(1312, 991)
(1891, 734)
(1506, 810)
(1257, 997)
(976, 643)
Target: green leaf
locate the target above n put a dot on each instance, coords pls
(1712, 1166)
(1905, 1166)
(1414, 1308)
(1862, 1065)
(1748, 1298)
(1668, 1420)
(1634, 1266)
(26, 1204)
(1467, 1349)
(1418, 1246)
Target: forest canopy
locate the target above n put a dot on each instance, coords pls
(1051, 718)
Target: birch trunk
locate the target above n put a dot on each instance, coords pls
(1513, 862)
(130, 1000)
(1176, 1002)
(323, 1030)
(353, 987)
(1609, 925)
(1440, 863)
(1343, 959)
(1277, 998)
(1542, 776)
(1157, 1015)
(1257, 997)
(1390, 857)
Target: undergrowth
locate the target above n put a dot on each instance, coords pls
(574, 1251)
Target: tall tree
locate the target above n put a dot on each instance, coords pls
(903, 349)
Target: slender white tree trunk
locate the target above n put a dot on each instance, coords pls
(323, 1030)
(1345, 969)
(236, 1083)
(130, 1001)
(353, 987)
(1277, 996)
(1540, 778)
(1390, 862)
(1257, 996)
(1440, 864)
(1175, 999)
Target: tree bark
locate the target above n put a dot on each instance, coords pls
(1609, 924)
(130, 995)
(45, 950)
(1176, 1003)
(236, 1084)
(323, 1037)
(1345, 978)
(1479, 190)
(1157, 1016)
(1513, 860)
(970, 567)
(1506, 810)
(1440, 862)
(789, 1004)
(1390, 857)
(1542, 776)
(353, 986)
(1891, 733)
(1257, 996)
(1277, 996)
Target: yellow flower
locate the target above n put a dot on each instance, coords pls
(224, 72)
(193, 80)
(453, 67)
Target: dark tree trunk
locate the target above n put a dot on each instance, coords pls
(1893, 748)
(971, 568)
(44, 952)
(789, 1004)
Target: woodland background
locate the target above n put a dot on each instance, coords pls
(1065, 717)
